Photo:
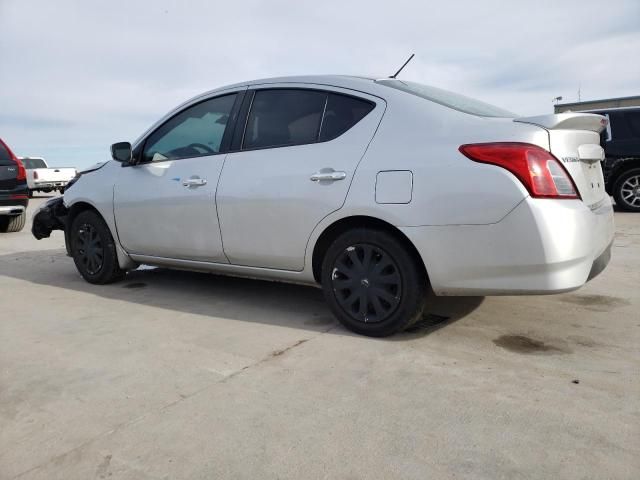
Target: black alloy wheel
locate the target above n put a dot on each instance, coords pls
(627, 191)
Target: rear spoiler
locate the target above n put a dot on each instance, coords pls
(567, 121)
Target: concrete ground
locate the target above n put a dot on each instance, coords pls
(172, 375)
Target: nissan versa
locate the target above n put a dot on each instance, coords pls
(375, 189)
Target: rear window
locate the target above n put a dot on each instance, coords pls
(31, 163)
(341, 114)
(448, 99)
(5, 158)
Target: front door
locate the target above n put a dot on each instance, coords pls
(299, 151)
(165, 205)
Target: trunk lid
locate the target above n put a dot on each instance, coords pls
(8, 175)
(574, 139)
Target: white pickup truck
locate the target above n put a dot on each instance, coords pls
(41, 178)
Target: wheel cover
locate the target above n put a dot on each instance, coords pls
(89, 248)
(630, 191)
(367, 283)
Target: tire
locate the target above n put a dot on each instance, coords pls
(93, 249)
(626, 191)
(373, 268)
(15, 223)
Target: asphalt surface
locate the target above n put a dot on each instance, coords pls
(171, 375)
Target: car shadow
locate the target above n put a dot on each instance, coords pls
(244, 299)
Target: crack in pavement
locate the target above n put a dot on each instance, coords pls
(273, 355)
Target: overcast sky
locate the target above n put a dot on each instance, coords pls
(78, 75)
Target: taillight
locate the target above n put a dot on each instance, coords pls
(35, 175)
(22, 173)
(539, 171)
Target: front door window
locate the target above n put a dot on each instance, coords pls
(194, 132)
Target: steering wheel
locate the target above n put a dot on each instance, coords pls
(202, 146)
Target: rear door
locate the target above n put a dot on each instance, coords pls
(293, 164)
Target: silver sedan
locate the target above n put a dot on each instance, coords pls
(376, 189)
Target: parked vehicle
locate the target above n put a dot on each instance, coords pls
(13, 191)
(374, 189)
(621, 142)
(42, 178)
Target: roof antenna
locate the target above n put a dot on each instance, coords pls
(403, 65)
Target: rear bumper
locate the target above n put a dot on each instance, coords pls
(13, 206)
(542, 246)
(43, 185)
(12, 210)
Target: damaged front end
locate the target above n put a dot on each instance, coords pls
(50, 216)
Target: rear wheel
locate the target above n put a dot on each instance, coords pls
(93, 249)
(626, 191)
(372, 282)
(13, 223)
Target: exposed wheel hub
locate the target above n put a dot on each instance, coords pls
(367, 283)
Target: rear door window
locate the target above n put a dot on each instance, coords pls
(282, 117)
(623, 133)
(619, 127)
(633, 121)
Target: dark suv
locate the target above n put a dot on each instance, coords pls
(14, 194)
(621, 166)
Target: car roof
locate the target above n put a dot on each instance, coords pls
(337, 80)
(353, 82)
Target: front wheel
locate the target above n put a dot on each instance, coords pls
(372, 282)
(626, 191)
(93, 249)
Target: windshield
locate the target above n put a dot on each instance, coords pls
(31, 163)
(448, 99)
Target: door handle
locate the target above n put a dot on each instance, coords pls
(330, 176)
(194, 182)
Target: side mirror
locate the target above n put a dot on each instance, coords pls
(121, 152)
